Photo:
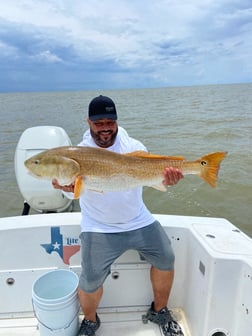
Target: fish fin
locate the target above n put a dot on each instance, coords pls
(160, 187)
(143, 154)
(210, 165)
(97, 191)
(78, 186)
(68, 167)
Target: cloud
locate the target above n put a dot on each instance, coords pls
(113, 44)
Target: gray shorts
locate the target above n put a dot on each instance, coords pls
(100, 250)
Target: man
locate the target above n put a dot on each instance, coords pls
(134, 225)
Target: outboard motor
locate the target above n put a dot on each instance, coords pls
(39, 194)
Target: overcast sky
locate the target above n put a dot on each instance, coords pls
(93, 44)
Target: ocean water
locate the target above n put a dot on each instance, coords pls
(187, 121)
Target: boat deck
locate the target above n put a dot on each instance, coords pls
(124, 323)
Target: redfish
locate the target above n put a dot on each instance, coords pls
(101, 170)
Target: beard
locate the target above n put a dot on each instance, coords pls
(104, 139)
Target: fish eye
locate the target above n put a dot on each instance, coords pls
(36, 162)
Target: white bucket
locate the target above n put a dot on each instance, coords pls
(56, 304)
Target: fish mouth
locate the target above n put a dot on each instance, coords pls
(33, 174)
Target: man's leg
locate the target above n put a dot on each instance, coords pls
(158, 313)
(161, 283)
(98, 252)
(89, 302)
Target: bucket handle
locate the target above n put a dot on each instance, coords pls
(44, 325)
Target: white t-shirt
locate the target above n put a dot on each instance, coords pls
(114, 211)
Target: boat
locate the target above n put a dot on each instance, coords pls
(212, 291)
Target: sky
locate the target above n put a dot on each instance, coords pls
(58, 45)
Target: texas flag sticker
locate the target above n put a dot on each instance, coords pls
(66, 247)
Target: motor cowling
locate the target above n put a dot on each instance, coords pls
(40, 194)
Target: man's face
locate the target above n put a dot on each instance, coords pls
(103, 131)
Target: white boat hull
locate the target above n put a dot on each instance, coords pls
(211, 296)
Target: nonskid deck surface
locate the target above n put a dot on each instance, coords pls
(112, 324)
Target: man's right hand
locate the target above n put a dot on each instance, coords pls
(66, 188)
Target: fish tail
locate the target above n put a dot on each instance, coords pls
(209, 167)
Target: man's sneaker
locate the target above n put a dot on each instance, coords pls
(164, 319)
(88, 328)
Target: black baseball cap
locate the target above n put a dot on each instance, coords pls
(102, 107)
